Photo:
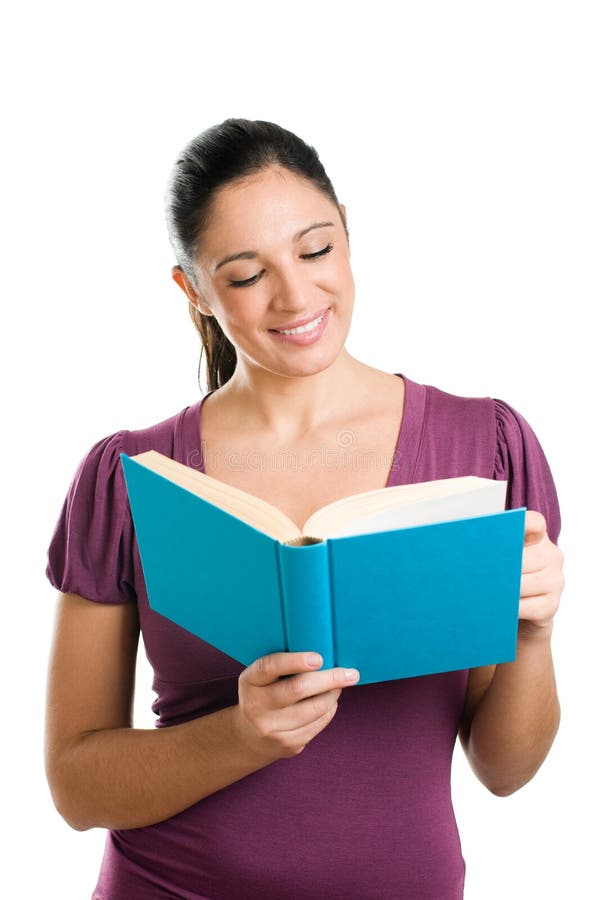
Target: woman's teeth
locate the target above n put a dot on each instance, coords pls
(309, 327)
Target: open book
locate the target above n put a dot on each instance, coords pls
(397, 582)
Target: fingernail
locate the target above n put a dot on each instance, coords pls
(351, 674)
(314, 659)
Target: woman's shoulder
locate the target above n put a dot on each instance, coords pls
(449, 414)
(100, 462)
(90, 552)
(496, 441)
(167, 436)
(500, 418)
(453, 402)
(505, 423)
(477, 430)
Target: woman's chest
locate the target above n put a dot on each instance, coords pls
(322, 468)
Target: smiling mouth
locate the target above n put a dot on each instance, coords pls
(302, 329)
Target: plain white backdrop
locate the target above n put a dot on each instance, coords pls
(462, 138)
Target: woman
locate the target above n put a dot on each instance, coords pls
(273, 781)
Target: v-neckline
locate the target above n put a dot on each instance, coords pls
(407, 445)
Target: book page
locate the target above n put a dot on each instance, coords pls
(439, 509)
(250, 509)
(337, 517)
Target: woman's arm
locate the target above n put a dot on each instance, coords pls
(512, 711)
(515, 721)
(103, 773)
(133, 777)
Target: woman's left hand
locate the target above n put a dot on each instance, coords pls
(542, 578)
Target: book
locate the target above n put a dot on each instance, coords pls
(397, 582)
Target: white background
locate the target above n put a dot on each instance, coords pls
(462, 139)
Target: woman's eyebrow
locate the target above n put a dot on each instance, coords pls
(251, 254)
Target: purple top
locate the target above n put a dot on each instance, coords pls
(365, 811)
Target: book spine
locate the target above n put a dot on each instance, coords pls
(305, 591)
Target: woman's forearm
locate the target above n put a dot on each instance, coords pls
(131, 777)
(517, 719)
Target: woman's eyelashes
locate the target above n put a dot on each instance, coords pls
(250, 281)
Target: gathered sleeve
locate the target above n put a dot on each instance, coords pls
(521, 461)
(90, 552)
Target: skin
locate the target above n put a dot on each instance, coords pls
(511, 713)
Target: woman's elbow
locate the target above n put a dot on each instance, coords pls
(504, 790)
(63, 796)
(66, 813)
(507, 788)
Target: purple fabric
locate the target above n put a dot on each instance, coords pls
(365, 812)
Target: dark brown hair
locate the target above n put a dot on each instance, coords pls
(224, 153)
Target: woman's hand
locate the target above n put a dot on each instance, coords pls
(276, 717)
(542, 578)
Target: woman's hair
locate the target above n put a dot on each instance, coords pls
(218, 156)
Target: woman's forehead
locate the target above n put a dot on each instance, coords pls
(271, 185)
(264, 210)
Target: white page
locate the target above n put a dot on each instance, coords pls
(480, 502)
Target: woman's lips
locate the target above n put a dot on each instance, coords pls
(298, 323)
(305, 337)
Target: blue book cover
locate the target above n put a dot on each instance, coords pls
(395, 603)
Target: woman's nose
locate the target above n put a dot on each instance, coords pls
(290, 289)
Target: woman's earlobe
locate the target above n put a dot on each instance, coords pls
(203, 307)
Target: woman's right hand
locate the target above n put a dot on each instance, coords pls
(277, 716)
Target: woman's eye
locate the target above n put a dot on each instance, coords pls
(249, 281)
(244, 283)
(326, 249)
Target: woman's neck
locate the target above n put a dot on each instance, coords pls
(289, 407)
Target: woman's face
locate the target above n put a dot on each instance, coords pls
(269, 218)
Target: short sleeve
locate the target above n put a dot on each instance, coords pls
(90, 552)
(521, 461)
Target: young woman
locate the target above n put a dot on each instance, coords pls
(279, 780)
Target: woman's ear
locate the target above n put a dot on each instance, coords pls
(344, 218)
(185, 285)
